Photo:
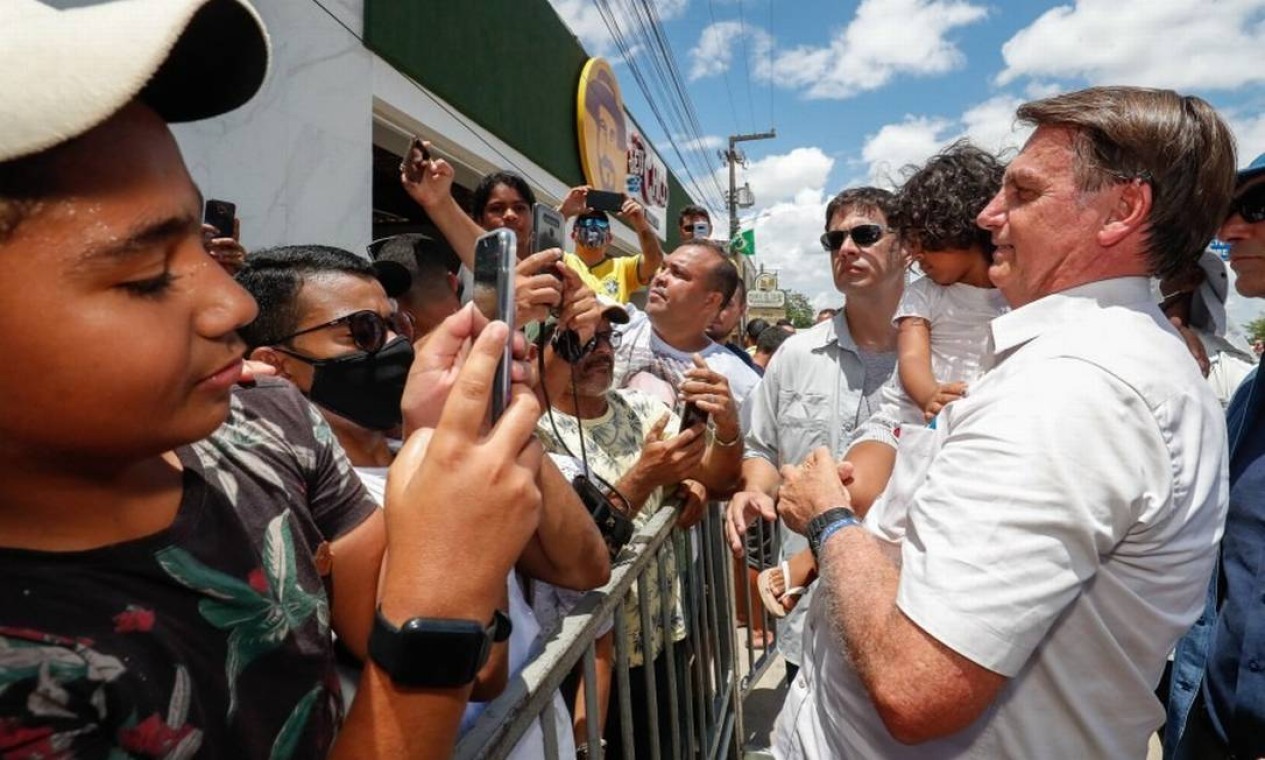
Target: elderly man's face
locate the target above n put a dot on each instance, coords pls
(142, 352)
(1247, 246)
(595, 372)
(1044, 227)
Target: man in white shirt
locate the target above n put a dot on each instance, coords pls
(695, 282)
(1065, 530)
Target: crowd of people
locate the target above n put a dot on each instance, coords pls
(253, 503)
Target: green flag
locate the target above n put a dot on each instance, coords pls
(744, 243)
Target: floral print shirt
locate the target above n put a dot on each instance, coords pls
(613, 444)
(208, 639)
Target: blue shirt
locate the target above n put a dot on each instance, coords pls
(1225, 650)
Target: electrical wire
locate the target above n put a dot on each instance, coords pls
(746, 66)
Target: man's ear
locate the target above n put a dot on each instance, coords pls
(272, 358)
(1128, 213)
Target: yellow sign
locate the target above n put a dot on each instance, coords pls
(601, 128)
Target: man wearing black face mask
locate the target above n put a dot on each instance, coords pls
(327, 325)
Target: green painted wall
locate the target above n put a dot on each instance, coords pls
(510, 65)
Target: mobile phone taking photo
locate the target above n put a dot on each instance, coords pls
(495, 256)
(601, 200)
(220, 214)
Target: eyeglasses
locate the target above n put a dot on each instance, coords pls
(612, 338)
(1250, 205)
(368, 329)
(864, 235)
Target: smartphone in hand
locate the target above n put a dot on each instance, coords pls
(495, 257)
(547, 226)
(601, 200)
(220, 215)
(691, 415)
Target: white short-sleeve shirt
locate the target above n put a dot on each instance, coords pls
(1063, 537)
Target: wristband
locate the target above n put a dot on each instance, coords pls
(727, 444)
(826, 524)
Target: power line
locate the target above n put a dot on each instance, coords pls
(746, 66)
(662, 88)
(711, 11)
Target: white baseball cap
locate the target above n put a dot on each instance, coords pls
(67, 68)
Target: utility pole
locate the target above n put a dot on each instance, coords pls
(744, 198)
(733, 199)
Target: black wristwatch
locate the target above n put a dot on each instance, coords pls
(434, 653)
(825, 524)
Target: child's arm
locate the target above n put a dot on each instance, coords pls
(913, 343)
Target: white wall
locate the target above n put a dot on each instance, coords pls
(296, 159)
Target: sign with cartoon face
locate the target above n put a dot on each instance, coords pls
(614, 153)
(602, 128)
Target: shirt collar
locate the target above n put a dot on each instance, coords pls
(834, 330)
(1021, 325)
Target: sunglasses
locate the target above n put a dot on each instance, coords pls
(368, 329)
(610, 337)
(1250, 205)
(598, 224)
(864, 235)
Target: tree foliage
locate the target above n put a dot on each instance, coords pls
(1255, 330)
(799, 309)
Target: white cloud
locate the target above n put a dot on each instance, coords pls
(1249, 133)
(783, 177)
(990, 125)
(897, 145)
(706, 142)
(1182, 44)
(587, 24)
(786, 242)
(885, 39)
(715, 49)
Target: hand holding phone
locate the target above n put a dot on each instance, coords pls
(494, 262)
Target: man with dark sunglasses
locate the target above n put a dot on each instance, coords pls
(328, 326)
(826, 381)
(1216, 705)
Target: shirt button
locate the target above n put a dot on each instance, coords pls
(1254, 666)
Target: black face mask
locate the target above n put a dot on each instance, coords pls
(365, 388)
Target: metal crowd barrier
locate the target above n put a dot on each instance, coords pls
(704, 698)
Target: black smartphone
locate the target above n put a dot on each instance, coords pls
(601, 200)
(495, 256)
(220, 215)
(547, 226)
(691, 415)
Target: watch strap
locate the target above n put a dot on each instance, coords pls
(434, 652)
(826, 524)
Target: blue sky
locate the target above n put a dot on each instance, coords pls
(857, 90)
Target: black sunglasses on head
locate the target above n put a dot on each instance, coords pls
(1250, 205)
(864, 235)
(368, 329)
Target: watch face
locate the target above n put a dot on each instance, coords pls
(432, 652)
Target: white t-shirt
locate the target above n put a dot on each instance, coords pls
(645, 362)
(375, 480)
(1063, 537)
(959, 316)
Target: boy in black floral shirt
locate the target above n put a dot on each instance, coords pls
(174, 550)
